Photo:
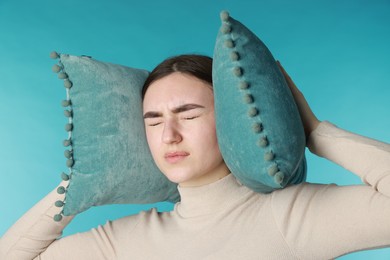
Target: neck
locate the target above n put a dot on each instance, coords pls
(211, 198)
(218, 173)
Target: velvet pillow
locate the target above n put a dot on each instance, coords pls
(259, 129)
(107, 154)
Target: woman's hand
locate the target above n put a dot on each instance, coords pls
(309, 120)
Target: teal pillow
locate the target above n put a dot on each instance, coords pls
(107, 154)
(259, 129)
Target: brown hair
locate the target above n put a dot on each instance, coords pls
(199, 66)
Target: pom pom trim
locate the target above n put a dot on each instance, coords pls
(68, 113)
(227, 29)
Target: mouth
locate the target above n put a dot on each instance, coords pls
(175, 157)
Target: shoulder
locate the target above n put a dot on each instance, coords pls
(129, 223)
(299, 195)
(308, 199)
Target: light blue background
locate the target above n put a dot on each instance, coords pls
(337, 51)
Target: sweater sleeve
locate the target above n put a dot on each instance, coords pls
(37, 236)
(34, 231)
(327, 221)
(367, 158)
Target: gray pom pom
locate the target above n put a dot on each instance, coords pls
(62, 75)
(65, 103)
(56, 68)
(225, 29)
(65, 176)
(68, 113)
(67, 83)
(244, 85)
(69, 163)
(253, 112)
(248, 98)
(279, 176)
(67, 143)
(234, 56)
(263, 142)
(54, 55)
(68, 127)
(61, 190)
(57, 217)
(257, 127)
(59, 203)
(273, 170)
(269, 156)
(229, 43)
(224, 16)
(68, 154)
(237, 71)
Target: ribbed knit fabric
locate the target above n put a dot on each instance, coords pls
(226, 220)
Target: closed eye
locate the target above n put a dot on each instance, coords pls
(153, 121)
(154, 124)
(190, 117)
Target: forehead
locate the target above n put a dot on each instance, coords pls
(177, 89)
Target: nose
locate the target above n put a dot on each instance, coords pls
(171, 133)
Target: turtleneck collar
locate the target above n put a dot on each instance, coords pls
(204, 200)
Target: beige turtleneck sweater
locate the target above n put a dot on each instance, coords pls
(226, 220)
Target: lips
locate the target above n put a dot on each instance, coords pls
(175, 157)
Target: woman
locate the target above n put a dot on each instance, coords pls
(218, 218)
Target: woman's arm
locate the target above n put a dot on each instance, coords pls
(326, 221)
(35, 230)
(367, 158)
(37, 236)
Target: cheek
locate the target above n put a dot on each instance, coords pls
(151, 138)
(213, 141)
(207, 136)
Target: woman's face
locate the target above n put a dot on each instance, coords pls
(180, 130)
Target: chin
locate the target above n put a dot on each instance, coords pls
(177, 179)
(178, 176)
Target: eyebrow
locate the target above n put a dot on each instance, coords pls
(176, 110)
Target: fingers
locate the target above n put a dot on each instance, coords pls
(283, 70)
(290, 82)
